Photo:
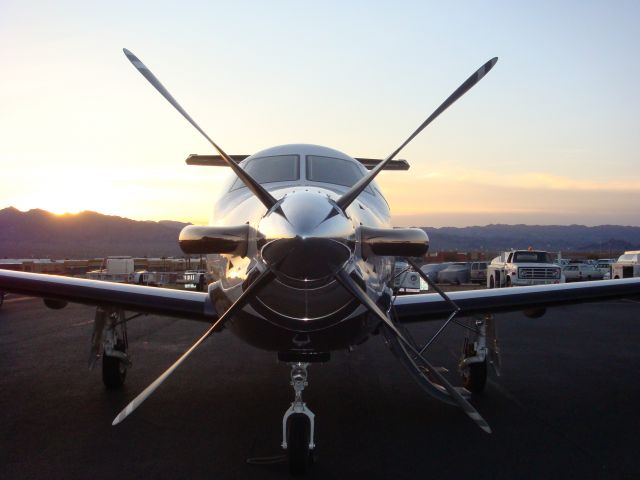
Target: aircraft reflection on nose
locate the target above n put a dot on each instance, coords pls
(309, 241)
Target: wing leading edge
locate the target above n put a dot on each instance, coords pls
(430, 306)
(137, 298)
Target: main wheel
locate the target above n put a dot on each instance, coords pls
(474, 377)
(298, 433)
(492, 282)
(114, 370)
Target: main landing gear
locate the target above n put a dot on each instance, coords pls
(298, 424)
(110, 342)
(478, 353)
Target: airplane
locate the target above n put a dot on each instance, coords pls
(303, 248)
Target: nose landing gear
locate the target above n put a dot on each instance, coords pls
(298, 424)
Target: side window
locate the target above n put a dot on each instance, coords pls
(509, 258)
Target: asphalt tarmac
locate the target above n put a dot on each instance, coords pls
(566, 405)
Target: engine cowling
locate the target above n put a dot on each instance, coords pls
(394, 242)
(230, 239)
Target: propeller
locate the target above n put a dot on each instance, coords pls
(347, 198)
(259, 282)
(258, 190)
(352, 287)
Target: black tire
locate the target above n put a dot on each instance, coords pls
(492, 282)
(508, 283)
(114, 370)
(476, 378)
(298, 432)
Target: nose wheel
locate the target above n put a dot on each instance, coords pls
(298, 425)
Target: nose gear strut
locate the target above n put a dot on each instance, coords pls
(298, 424)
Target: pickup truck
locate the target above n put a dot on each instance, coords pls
(523, 267)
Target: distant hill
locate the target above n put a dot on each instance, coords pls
(577, 238)
(38, 233)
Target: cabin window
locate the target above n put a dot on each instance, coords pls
(337, 171)
(278, 168)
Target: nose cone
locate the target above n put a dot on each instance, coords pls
(311, 241)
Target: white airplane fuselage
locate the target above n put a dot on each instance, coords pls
(306, 312)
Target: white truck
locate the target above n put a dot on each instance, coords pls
(523, 267)
(114, 269)
(405, 279)
(194, 280)
(627, 266)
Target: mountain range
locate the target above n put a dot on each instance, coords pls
(40, 234)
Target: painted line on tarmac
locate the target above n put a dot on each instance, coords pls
(19, 299)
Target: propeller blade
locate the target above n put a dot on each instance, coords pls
(262, 279)
(346, 199)
(352, 287)
(265, 197)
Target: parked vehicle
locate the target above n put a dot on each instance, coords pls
(432, 270)
(194, 280)
(455, 274)
(604, 265)
(627, 266)
(479, 272)
(576, 272)
(523, 267)
(114, 269)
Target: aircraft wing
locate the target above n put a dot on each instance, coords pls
(431, 306)
(218, 161)
(136, 298)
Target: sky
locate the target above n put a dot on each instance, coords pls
(549, 136)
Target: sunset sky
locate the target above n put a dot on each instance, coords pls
(550, 136)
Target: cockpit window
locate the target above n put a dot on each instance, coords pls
(279, 168)
(333, 170)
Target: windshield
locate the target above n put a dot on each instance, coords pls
(531, 257)
(279, 168)
(332, 170)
